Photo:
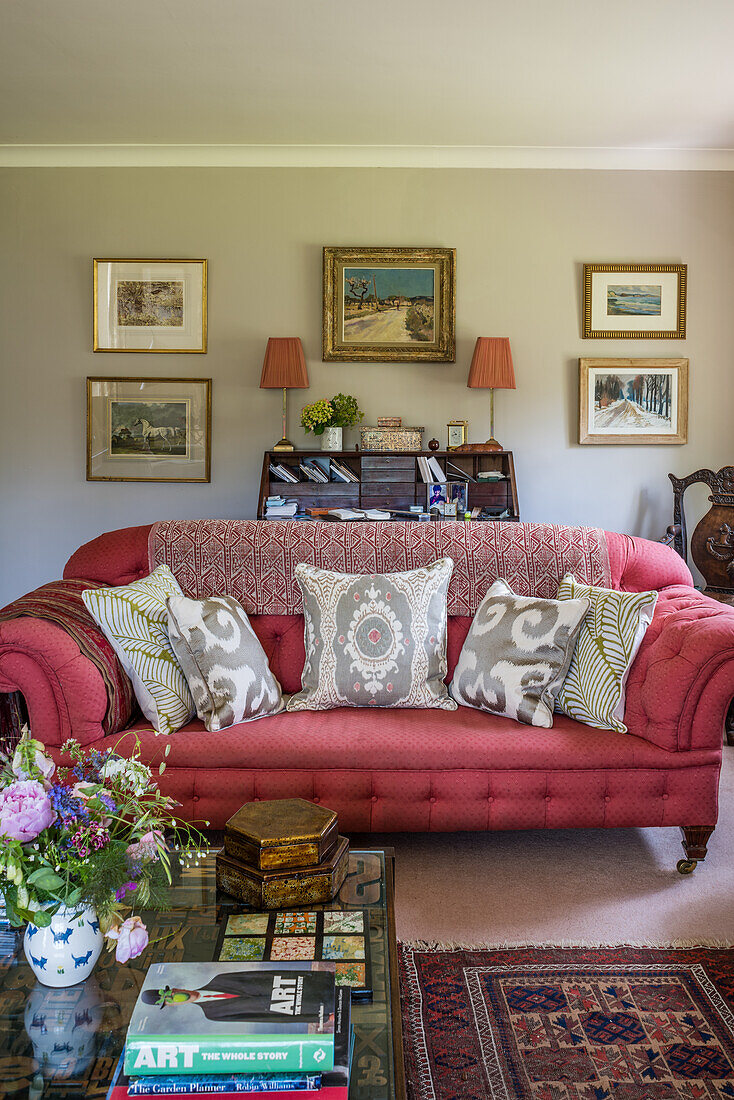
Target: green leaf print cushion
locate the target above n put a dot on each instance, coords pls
(611, 634)
(134, 619)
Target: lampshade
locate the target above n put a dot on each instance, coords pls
(491, 365)
(284, 366)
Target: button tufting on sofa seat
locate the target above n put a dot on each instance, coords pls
(547, 798)
(607, 798)
(431, 799)
(665, 796)
(374, 798)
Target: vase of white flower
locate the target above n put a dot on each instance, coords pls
(65, 951)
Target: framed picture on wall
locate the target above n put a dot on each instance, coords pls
(149, 429)
(635, 301)
(633, 401)
(389, 304)
(150, 305)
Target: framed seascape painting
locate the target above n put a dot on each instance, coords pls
(149, 429)
(389, 304)
(150, 305)
(633, 401)
(627, 301)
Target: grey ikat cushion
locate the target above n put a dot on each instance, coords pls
(516, 654)
(377, 640)
(224, 664)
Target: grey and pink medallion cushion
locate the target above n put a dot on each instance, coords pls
(223, 661)
(516, 655)
(375, 640)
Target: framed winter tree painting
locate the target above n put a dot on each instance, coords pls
(633, 401)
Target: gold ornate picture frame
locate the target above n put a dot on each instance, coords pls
(635, 301)
(633, 401)
(149, 429)
(389, 305)
(150, 306)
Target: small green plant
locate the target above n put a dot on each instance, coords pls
(341, 411)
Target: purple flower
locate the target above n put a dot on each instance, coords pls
(66, 805)
(25, 810)
(132, 939)
(108, 801)
(120, 894)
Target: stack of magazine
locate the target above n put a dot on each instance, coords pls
(227, 1029)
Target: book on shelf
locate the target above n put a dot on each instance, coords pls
(439, 474)
(282, 473)
(457, 473)
(358, 513)
(201, 1018)
(343, 472)
(310, 472)
(333, 1083)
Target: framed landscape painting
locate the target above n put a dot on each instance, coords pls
(389, 304)
(642, 301)
(149, 429)
(150, 305)
(633, 401)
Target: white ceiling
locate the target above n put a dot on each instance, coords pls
(536, 74)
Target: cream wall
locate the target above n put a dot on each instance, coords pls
(520, 236)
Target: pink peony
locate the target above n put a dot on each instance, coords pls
(25, 810)
(132, 939)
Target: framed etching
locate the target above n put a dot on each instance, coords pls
(633, 401)
(150, 305)
(149, 429)
(389, 305)
(635, 301)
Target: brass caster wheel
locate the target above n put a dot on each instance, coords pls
(686, 866)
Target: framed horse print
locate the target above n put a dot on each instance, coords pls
(149, 429)
(150, 305)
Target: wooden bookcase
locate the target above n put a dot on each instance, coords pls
(389, 480)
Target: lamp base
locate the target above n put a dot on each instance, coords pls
(283, 445)
(493, 445)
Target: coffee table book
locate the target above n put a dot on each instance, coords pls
(202, 1018)
(334, 1082)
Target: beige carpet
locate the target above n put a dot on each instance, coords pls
(582, 886)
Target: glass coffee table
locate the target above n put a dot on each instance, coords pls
(66, 1043)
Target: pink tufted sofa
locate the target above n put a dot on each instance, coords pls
(414, 770)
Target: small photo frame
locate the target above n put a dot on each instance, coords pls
(149, 429)
(458, 494)
(633, 401)
(456, 431)
(635, 301)
(437, 495)
(150, 305)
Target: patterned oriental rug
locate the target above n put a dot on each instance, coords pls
(623, 1023)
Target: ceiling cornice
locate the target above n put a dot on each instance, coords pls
(365, 156)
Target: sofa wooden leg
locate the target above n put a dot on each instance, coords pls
(695, 838)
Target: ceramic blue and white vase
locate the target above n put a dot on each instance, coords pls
(65, 952)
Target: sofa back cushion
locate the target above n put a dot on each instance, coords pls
(282, 638)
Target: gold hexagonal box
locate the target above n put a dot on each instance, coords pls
(284, 888)
(284, 833)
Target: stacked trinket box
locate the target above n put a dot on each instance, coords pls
(282, 853)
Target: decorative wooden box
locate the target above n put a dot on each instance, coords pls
(284, 888)
(284, 833)
(392, 439)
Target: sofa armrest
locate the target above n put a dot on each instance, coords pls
(64, 691)
(682, 681)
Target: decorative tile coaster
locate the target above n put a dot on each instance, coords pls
(242, 948)
(319, 935)
(244, 924)
(343, 947)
